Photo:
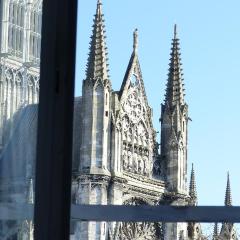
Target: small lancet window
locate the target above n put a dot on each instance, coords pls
(106, 99)
(183, 126)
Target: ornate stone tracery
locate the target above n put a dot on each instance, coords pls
(137, 135)
(138, 230)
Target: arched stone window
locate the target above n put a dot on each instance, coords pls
(16, 28)
(35, 36)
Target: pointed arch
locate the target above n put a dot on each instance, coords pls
(133, 74)
(143, 124)
(98, 84)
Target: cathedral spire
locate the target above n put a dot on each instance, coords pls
(174, 125)
(228, 230)
(175, 90)
(97, 66)
(133, 75)
(192, 187)
(228, 195)
(215, 231)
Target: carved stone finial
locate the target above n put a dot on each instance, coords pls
(99, 8)
(192, 187)
(175, 31)
(135, 40)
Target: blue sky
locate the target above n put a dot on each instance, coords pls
(209, 36)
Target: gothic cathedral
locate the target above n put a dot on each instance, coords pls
(116, 157)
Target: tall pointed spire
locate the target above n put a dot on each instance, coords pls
(192, 187)
(228, 195)
(228, 230)
(97, 66)
(175, 90)
(215, 231)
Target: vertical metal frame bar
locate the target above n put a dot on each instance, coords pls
(55, 120)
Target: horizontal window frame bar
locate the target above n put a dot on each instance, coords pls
(121, 213)
(16, 211)
(145, 213)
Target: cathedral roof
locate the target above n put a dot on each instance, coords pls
(133, 69)
(175, 90)
(97, 66)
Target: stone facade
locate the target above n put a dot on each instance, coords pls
(19, 60)
(119, 160)
(116, 157)
(20, 42)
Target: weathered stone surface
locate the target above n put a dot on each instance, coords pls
(116, 156)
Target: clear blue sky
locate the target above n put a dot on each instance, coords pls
(209, 34)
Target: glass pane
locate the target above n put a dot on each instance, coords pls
(20, 42)
(156, 231)
(122, 153)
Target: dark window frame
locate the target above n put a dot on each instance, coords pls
(55, 120)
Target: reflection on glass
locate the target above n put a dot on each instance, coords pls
(158, 231)
(20, 40)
